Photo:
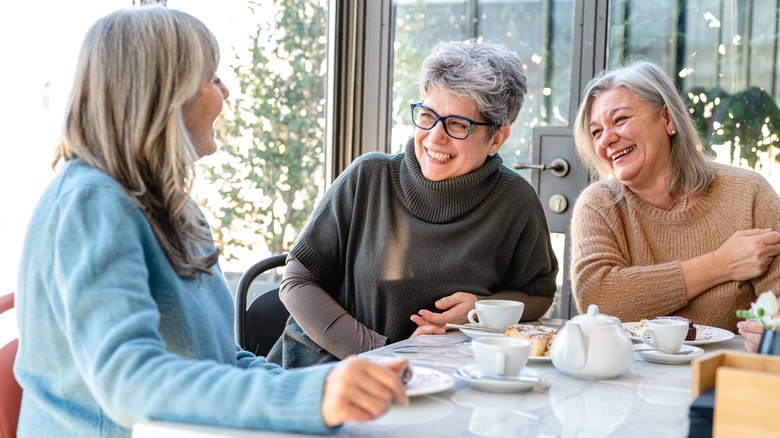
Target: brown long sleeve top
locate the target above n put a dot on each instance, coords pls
(625, 257)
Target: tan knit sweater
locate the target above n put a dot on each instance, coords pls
(625, 257)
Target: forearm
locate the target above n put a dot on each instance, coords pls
(322, 318)
(629, 293)
(535, 306)
(701, 274)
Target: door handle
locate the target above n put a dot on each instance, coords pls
(559, 167)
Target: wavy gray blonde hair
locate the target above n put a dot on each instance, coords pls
(136, 70)
(690, 172)
(486, 73)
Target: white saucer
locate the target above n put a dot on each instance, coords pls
(498, 385)
(478, 333)
(656, 356)
(539, 359)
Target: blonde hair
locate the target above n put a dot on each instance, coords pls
(690, 170)
(136, 70)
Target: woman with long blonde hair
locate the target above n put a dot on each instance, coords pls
(123, 312)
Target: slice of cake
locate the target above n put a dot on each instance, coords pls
(638, 329)
(541, 337)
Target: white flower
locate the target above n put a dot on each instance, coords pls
(769, 313)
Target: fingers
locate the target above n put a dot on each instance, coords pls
(751, 331)
(456, 299)
(455, 306)
(419, 320)
(747, 254)
(753, 232)
(429, 329)
(358, 390)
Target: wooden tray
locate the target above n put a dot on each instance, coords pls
(747, 392)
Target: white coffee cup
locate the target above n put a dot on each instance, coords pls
(501, 356)
(496, 314)
(666, 335)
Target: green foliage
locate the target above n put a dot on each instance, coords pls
(750, 120)
(701, 104)
(270, 169)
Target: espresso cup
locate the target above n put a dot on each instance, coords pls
(665, 334)
(496, 314)
(501, 357)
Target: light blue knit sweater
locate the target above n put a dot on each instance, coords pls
(111, 335)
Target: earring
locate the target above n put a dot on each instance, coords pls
(673, 132)
(491, 153)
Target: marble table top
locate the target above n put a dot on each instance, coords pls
(649, 400)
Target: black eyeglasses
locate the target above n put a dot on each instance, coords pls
(457, 127)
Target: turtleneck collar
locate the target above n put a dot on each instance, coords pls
(444, 201)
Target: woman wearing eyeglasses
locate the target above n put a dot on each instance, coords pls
(402, 244)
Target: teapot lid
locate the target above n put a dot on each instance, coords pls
(594, 317)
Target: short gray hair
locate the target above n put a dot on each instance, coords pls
(690, 172)
(487, 73)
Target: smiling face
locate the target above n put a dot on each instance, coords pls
(631, 139)
(442, 157)
(201, 112)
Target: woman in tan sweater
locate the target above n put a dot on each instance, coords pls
(664, 230)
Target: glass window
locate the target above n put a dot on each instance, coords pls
(39, 47)
(261, 186)
(723, 55)
(539, 31)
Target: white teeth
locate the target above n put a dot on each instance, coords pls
(439, 156)
(621, 153)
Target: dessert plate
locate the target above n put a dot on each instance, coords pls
(687, 354)
(704, 334)
(428, 381)
(476, 333)
(471, 375)
(539, 359)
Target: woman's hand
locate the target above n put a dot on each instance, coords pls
(359, 390)
(748, 253)
(455, 310)
(751, 331)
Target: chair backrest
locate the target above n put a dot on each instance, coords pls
(10, 392)
(260, 324)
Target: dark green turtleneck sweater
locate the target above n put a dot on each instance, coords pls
(385, 242)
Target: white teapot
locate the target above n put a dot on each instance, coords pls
(592, 346)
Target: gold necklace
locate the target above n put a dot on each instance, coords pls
(685, 203)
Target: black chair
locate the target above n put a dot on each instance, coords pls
(259, 325)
